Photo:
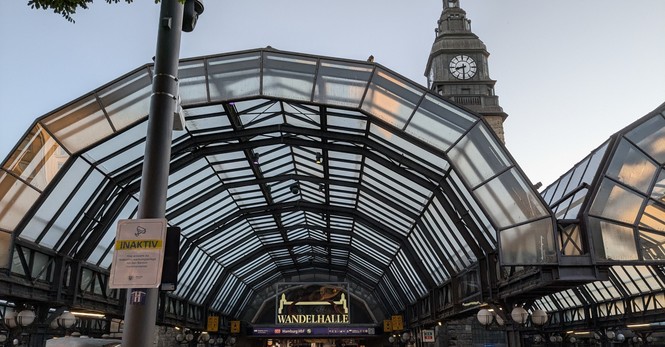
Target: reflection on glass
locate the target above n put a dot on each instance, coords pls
(530, 243)
(37, 159)
(615, 202)
(650, 137)
(288, 76)
(391, 99)
(612, 241)
(438, 123)
(341, 83)
(192, 82)
(234, 76)
(508, 200)
(632, 168)
(127, 100)
(653, 216)
(5, 246)
(16, 198)
(478, 156)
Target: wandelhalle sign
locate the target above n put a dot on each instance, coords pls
(312, 304)
(138, 254)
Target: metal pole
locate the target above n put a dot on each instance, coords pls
(140, 319)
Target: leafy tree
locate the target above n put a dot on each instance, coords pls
(68, 7)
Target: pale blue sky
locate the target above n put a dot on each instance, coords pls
(570, 73)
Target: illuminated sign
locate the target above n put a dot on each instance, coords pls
(313, 331)
(312, 304)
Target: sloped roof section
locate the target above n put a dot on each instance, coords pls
(612, 205)
(291, 167)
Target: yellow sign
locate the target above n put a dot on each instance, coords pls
(397, 322)
(387, 325)
(213, 324)
(235, 327)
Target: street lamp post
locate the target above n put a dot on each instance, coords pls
(140, 318)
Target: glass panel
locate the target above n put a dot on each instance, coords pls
(576, 204)
(43, 218)
(128, 100)
(649, 137)
(592, 169)
(615, 202)
(478, 156)
(105, 242)
(5, 247)
(37, 159)
(526, 244)
(562, 188)
(290, 77)
(234, 76)
(658, 191)
(653, 216)
(341, 83)
(16, 198)
(391, 99)
(629, 166)
(438, 123)
(508, 200)
(619, 242)
(39, 266)
(410, 150)
(79, 125)
(612, 241)
(652, 245)
(192, 82)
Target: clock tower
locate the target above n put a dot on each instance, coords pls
(457, 67)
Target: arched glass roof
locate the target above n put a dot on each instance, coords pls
(290, 167)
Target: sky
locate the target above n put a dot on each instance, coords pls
(569, 73)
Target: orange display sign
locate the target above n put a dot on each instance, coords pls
(235, 327)
(387, 325)
(397, 322)
(213, 324)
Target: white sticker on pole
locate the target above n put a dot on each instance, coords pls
(138, 253)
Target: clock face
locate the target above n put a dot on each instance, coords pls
(463, 67)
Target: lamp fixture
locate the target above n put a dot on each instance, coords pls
(322, 187)
(255, 158)
(25, 317)
(64, 320)
(519, 315)
(539, 317)
(319, 158)
(294, 188)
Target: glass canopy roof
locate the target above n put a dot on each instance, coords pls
(616, 196)
(290, 167)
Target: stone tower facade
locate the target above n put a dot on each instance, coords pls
(457, 67)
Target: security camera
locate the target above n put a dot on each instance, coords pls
(192, 11)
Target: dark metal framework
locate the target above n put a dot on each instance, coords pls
(291, 166)
(295, 167)
(610, 206)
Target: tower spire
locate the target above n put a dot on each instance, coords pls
(457, 67)
(450, 4)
